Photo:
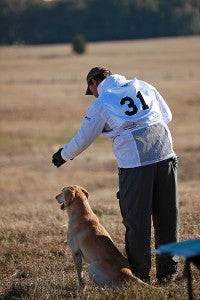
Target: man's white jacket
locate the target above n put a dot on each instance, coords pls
(133, 116)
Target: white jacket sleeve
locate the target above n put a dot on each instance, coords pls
(91, 127)
(165, 111)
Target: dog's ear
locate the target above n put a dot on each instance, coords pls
(69, 196)
(85, 192)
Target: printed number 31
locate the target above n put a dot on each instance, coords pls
(133, 108)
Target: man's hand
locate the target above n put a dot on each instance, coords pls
(57, 159)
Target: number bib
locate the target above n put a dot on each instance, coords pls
(134, 102)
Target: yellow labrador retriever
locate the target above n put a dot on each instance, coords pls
(89, 240)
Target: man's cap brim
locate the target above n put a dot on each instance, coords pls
(88, 92)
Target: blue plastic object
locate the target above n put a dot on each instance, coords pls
(187, 249)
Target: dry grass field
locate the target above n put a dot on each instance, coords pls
(42, 103)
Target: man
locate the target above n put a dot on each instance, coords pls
(134, 116)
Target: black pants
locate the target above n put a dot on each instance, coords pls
(149, 192)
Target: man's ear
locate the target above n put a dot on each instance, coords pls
(85, 192)
(96, 82)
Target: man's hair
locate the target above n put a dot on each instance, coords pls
(100, 77)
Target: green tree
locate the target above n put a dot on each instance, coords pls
(79, 44)
(59, 21)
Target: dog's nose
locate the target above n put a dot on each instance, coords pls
(58, 199)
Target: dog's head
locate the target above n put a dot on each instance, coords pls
(68, 194)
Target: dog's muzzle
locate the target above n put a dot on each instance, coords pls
(60, 198)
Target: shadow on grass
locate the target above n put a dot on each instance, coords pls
(15, 292)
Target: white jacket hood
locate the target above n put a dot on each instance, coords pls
(110, 82)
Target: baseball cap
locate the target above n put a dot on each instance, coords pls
(93, 73)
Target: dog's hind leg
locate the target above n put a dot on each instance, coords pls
(98, 275)
(77, 257)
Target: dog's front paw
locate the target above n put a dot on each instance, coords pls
(81, 284)
(81, 287)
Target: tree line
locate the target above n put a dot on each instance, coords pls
(58, 21)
